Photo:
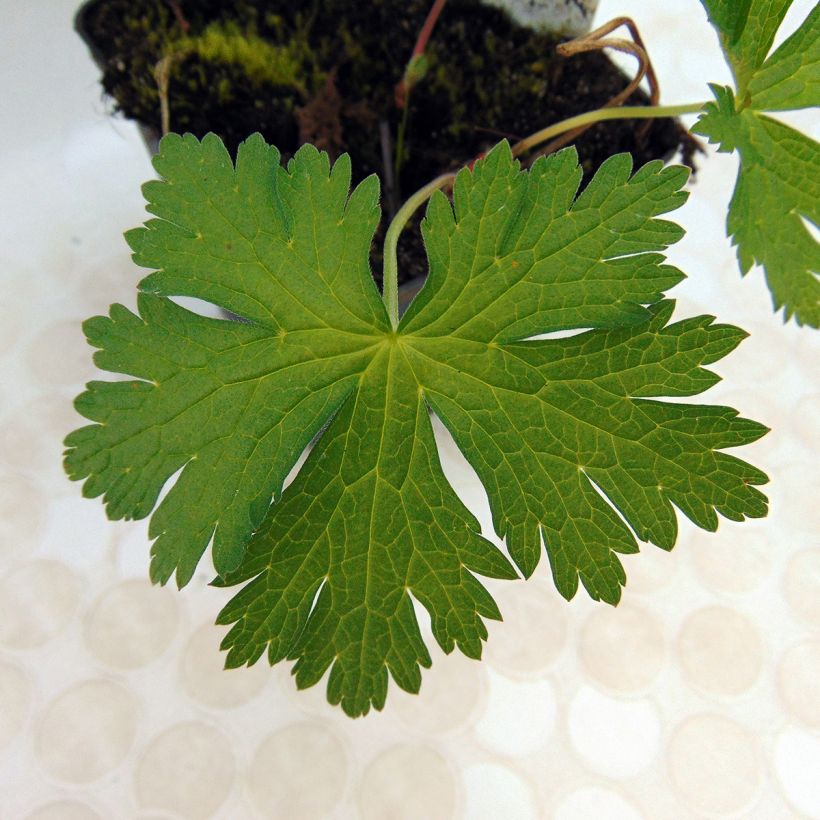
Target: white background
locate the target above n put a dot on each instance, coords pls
(697, 697)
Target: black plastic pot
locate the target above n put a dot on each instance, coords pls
(150, 136)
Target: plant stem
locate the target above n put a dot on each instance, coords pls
(180, 17)
(427, 28)
(391, 240)
(404, 85)
(162, 75)
(624, 112)
(390, 192)
(390, 275)
(400, 139)
(412, 72)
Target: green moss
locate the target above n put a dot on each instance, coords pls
(260, 60)
(294, 70)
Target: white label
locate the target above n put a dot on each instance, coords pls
(569, 17)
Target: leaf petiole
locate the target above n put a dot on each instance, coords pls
(391, 241)
(624, 112)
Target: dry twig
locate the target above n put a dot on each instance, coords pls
(597, 40)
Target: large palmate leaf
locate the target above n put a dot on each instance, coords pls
(579, 456)
(778, 185)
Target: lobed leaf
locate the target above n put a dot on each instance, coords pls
(790, 77)
(778, 186)
(746, 29)
(231, 405)
(369, 522)
(776, 194)
(580, 455)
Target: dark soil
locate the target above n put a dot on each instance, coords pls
(488, 78)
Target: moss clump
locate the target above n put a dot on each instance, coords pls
(259, 60)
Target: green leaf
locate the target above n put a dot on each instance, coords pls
(778, 184)
(790, 77)
(746, 29)
(497, 276)
(369, 522)
(233, 405)
(778, 187)
(579, 456)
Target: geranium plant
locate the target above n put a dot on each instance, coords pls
(571, 436)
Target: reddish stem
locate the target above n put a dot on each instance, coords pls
(177, 9)
(421, 44)
(427, 28)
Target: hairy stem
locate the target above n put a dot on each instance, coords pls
(624, 112)
(391, 242)
(402, 217)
